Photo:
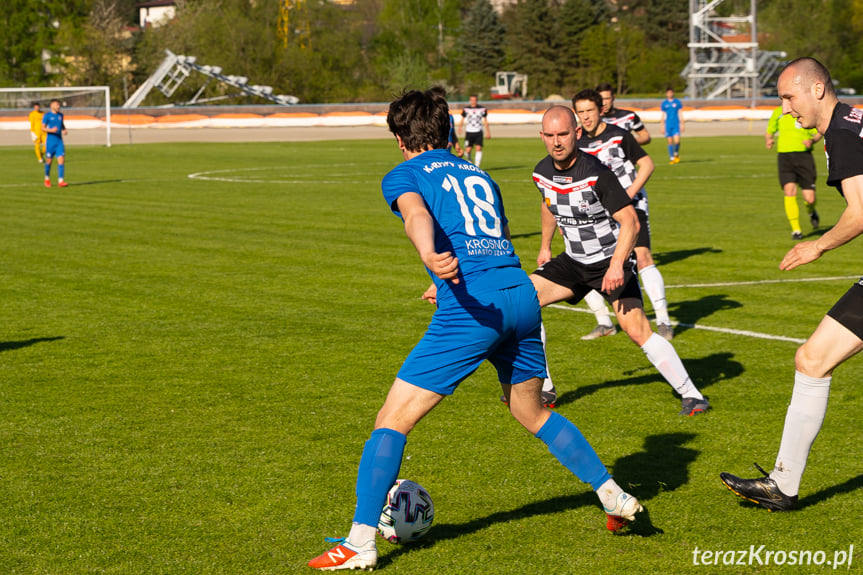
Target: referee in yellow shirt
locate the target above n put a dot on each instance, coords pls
(36, 130)
(796, 166)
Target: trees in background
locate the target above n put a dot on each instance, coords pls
(372, 49)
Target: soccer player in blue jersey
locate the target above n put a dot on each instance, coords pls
(54, 129)
(487, 308)
(672, 123)
(807, 94)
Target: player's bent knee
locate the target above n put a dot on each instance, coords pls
(809, 363)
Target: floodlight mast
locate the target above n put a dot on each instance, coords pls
(174, 70)
(723, 65)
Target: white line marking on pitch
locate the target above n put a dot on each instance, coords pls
(757, 282)
(747, 333)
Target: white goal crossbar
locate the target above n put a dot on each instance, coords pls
(34, 91)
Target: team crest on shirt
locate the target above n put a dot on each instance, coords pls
(562, 180)
(583, 205)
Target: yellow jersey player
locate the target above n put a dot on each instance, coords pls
(36, 132)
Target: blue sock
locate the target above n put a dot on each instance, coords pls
(61, 170)
(566, 442)
(47, 169)
(676, 149)
(671, 151)
(378, 471)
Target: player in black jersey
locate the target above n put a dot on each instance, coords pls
(618, 150)
(807, 94)
(626, 119)
(585, 201)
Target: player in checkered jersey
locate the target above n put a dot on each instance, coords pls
(618, 150)
(599, 224)
(626, 119)
(473, 118)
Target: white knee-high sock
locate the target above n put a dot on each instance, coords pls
(665, 359)
(655, 288)
(478, 157)
(547, 384)
(802, 424)
(597, 305)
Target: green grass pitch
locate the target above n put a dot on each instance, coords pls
(189, 367)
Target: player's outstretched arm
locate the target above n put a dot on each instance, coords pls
(849, 226)
(419, 227)
(642, 136)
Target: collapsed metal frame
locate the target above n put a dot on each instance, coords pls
(174, 70)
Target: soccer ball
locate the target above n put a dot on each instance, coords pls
(407, 514)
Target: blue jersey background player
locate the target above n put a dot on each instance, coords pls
(487, 308)
(672, 122)
(54, 129)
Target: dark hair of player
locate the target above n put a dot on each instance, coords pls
(811, 70)
(605, 87)
(421, 120)
(588, 94)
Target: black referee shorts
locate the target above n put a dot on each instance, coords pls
(797, 167)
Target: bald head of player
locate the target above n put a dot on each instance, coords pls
(807, 93)
(559, 134)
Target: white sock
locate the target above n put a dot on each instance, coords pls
(478, 157)
(547, 384)
(655, 288)
(802, 423)
(608, 493)
(665, 359)
(362, 535)
(596, 303)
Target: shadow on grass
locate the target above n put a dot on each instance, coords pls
(530, 235)
(96, 182)
(817, 233)
(11, 345)
(850, 486)
(690, 312)
(447, 531)
(704, 372)
(663, 465)
(663, 258)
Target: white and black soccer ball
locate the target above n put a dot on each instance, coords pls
(407, 514)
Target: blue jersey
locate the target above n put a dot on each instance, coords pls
(467, 209)
(52, 120)
(672, 113)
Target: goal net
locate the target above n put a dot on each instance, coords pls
(87, 111)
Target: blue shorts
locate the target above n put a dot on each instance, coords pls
(54, 148)
(502, 326)
(671, 131)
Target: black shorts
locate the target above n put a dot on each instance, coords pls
(581, 278)
(643, 239)
(798, 168)
(848, 311)
(472, 139)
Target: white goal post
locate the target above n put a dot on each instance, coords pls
(91, 101)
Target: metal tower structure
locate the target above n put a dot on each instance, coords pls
(174, 70)
(724, 59)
